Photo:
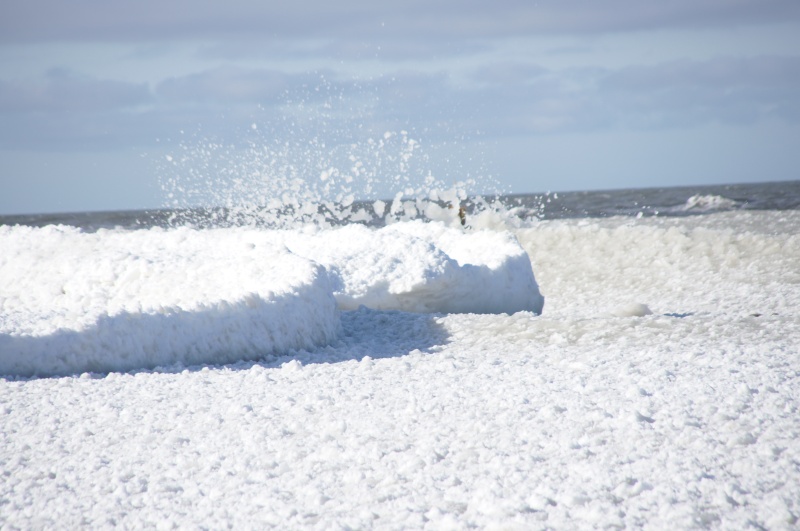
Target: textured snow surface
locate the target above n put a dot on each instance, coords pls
(118, 300)
(595, 414)
(423, 267)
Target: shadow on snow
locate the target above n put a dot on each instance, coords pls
(364, 332)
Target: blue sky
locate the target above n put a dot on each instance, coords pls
(527, 96)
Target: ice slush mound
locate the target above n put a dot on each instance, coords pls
(73, 302)
(118, 300)
(423, 267)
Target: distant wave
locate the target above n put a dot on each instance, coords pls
(707, 203)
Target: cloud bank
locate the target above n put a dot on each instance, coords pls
(93, 20)
(67, 108)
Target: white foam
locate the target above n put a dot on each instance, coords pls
(118, 300)
(673, 265)
(706, 203)
(263, 182)
(423, 267)
(121, 300)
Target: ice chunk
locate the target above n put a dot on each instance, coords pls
(632, 310)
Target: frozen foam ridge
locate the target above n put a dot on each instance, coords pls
(73, 302)
(423, 267)
(116, 300)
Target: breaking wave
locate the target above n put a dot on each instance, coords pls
(708, 203)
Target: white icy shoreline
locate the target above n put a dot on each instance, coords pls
(75, 302)
(575, 418)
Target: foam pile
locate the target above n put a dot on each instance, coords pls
(116, 300)
(423, 267)
(119, 300)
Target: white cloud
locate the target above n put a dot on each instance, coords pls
(67, 110)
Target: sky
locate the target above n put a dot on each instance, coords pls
(517, 96)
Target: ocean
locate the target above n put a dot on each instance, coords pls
(668, 201)
(624, 358)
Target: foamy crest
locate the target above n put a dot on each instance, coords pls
(706, 203)
(279, 183)
(322, 162)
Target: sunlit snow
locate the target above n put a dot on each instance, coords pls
(658, 387)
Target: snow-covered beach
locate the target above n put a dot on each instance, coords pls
(659, 387)
(390, 266)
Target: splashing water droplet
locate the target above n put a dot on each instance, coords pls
(317, 164)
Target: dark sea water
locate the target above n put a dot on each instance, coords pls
(669, 202)
(676, 201)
